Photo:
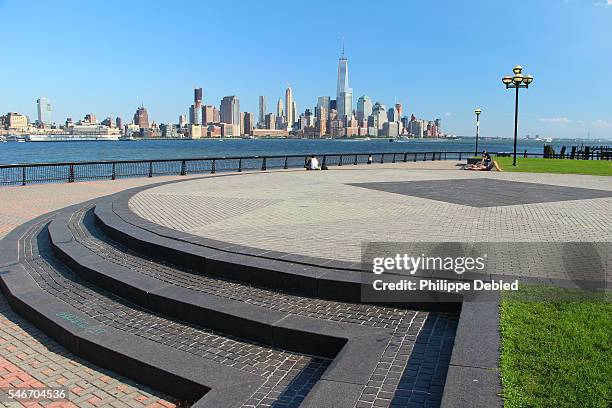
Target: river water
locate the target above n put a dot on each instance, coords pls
(39, 152)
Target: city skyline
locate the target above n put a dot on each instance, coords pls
(551, 107)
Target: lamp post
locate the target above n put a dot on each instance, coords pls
(477, 112)
(517, 81)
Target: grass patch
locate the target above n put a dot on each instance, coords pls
(556, 350)
(563, 166)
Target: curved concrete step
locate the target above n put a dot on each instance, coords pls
(123, 226)
(358, 336)
(180, 359)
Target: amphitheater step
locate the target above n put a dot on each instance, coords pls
(182, 359)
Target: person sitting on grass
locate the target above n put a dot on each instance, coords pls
(313, 163)
(485, 164)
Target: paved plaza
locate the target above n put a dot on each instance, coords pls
(329, 214)
(322, 214)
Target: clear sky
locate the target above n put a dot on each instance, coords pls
(440, 59)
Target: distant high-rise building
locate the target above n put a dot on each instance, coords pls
(294, 111)
(393, 115)
(398, 108)
(289, 107)
(262, 109)
(378, 116)
(197, 96)
(345, 104)
(194, 115)
(208, 114)
(390, 129)
(44, 111)
(364, 107)
(216, 115)
(90, 118)
(321, 121)
(118, 123)
(230, 110)
(279, 108)
(249, 124)
(270, 121)
(344, 94)
(196, 109)
(182, 121)
(16, 121)
(141, 118)
(323, 102)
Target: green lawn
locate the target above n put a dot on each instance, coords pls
(564, 166)
(556, 352)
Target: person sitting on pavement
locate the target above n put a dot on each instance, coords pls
(313, 163)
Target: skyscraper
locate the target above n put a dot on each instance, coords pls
(321, 121)
(364, 107)
(262, 109)
(44, 111)
(392, 115)
(208, 114)
(289, 107)
(248, 123)
(141, 118)
(344, 94)
(378, 116)
(323, 102)
(279, 108)
(270, 121)
(230, 110)
(399, 109)
(118, 123)
(195, 110)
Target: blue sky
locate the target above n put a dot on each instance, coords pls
(440, 59)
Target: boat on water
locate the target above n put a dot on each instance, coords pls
(83, 137)
(15, 138)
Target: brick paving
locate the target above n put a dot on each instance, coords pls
(323, 214)
(27, 356)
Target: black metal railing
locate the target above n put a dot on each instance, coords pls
(22, 174)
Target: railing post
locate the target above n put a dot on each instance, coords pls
(433, 156)
(424, 156)
(71, 174)
(355, 162)
(150, 169)
(323, 166)
(113, 172)
(405, 157)
(183, 168)
(263, 164)
(285, 166)
(460, 155)
(23, 176)
(415, 157)
(393, 161)
(445, 155)
(213, 167)
(239, 165)
(382, 158)
(340, 161)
